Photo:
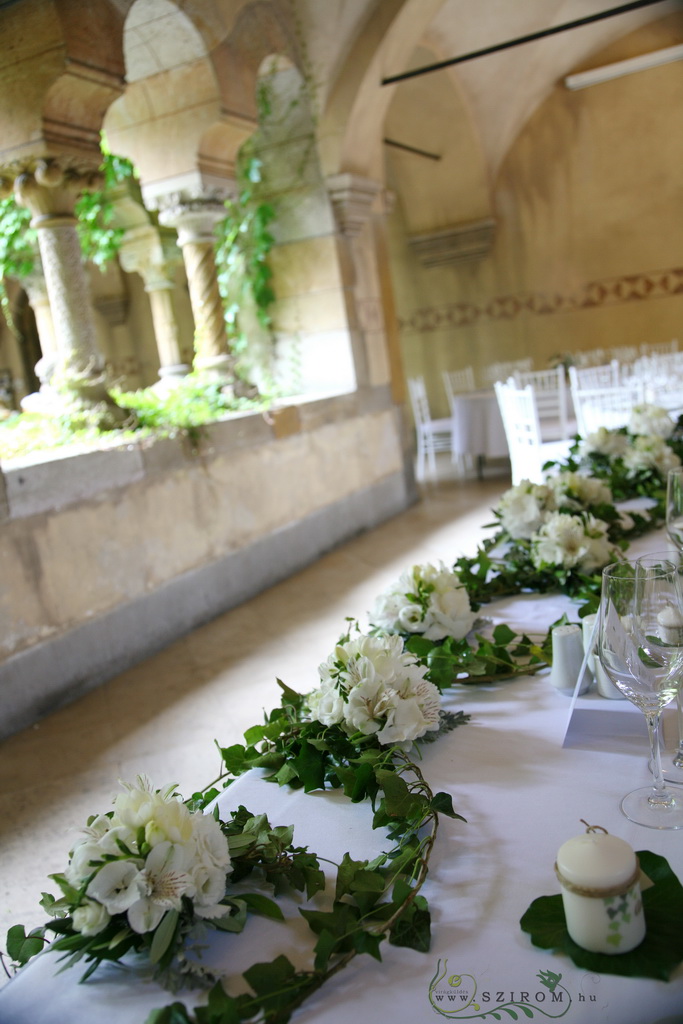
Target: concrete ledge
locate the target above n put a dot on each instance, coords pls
(44, 677)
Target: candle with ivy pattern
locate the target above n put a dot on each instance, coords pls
(600, 878)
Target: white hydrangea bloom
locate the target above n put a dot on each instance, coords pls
(427, 599)
(651, 420)
(522, 509)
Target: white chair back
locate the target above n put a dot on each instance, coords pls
(528, 453)
(503, 370)
(609, 407)
(432, 436)
(604, 376)
(458, 382)
(552, 399)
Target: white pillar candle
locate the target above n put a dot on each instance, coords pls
(604, 684)
(568, 660)
(599, 874)
(671, 623)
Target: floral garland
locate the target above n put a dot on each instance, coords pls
(153, 874)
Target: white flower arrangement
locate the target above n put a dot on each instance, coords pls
(577, 491)
(650, 452)
(523, 508)
(605, 441)
(427, 599)
(572, 542)
(143, 859)
(372, 686)
(650, 421)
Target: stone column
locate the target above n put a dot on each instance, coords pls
(143, 252)
(195, 221)
(353, 198)
(49, 189)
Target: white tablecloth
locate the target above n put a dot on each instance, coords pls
(478, 426)
(523, 791)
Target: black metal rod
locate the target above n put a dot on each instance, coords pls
(542, 34)
(411, 149)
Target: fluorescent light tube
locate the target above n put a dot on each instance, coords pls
(624, 67)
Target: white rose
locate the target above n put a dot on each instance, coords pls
(90, 918)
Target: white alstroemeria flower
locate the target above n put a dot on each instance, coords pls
(413, 715)
(90, 918)
(367, 704)
(161, 886)
(650, 453)
(116, 885)
(522, 509)
(651, 421)
(578, 491)
(572, 542)
(604, 441)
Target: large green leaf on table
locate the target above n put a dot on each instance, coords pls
(660, 952)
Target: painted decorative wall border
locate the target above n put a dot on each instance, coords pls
(654, 284)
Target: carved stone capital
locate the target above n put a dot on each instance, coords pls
(352, 198)
(193, 216)
(50, 187)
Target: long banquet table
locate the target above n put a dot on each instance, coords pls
(523, 781)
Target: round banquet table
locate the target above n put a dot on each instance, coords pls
(478, 426)
(524, 771)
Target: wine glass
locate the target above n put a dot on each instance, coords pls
(636, 651)
(672, 764)
(674, 528)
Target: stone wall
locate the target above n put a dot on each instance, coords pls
(108, 556)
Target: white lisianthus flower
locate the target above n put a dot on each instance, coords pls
(116, 885)
(650, 453)
(326, 704)
(522, 509)
(380, 690)
(578, 491)
(604, 441)
(90, 918)
(650, 420)
(427, 599)
(572, 542)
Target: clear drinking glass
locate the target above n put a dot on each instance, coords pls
(674, 527)
(640, 651)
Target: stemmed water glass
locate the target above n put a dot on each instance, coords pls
(674, 528)
(642, 653)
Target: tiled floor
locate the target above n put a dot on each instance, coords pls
(163, 716)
